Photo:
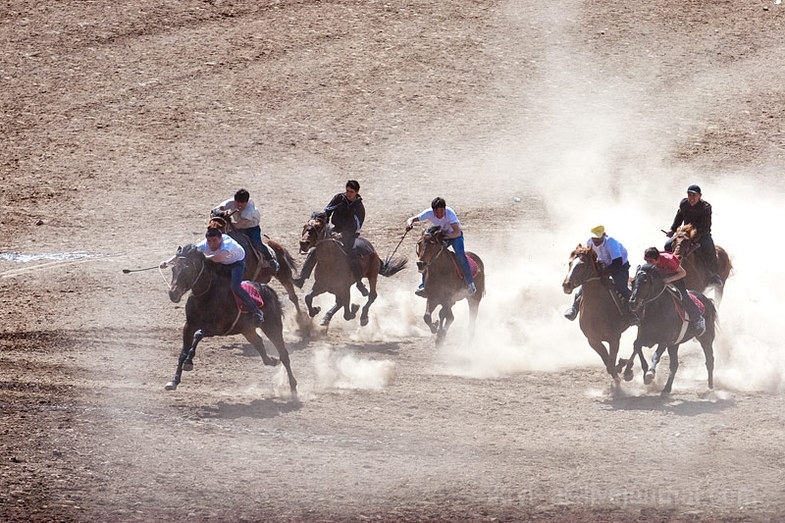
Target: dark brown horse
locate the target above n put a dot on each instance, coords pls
(686, 241)
(211, 310)
(663, 326)
(333, 272)
(258, 270)
(444, 283)
(599, 316)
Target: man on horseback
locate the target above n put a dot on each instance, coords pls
(245, 218)
(612, 257)
(346, 213)
(221, 248)
(669, 266)
(695, 211)
(443, 216)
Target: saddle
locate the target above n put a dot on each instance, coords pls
(676, 297)
(473, 267)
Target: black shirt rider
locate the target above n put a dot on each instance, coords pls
(346, 212)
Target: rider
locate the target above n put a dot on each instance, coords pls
(346, 212)
(221, 248)
(669, 266)
(695, 211)
(245, 219)
(612, 257)
(443, 216)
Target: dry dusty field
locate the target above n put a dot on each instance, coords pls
(123, 123)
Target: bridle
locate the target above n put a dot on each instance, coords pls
(428, 238)
(592, 264)
(648, 277)
(186, 264)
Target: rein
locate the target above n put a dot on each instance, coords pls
(198, 276)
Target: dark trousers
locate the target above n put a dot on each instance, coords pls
(255, 235)
(238, 272)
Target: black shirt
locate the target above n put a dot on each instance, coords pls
(698, 215)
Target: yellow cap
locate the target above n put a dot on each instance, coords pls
(598, 231)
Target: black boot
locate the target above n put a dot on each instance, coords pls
(305, 273)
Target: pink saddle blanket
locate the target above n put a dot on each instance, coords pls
(253, 293)
(680, 307)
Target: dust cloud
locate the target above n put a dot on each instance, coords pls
(595, 150)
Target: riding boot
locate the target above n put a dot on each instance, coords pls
(305, 273)
(572, 312)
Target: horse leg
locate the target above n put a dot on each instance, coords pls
(274, 332)
(474, 307)
(186, 354)
(445, 320)
(372, 278)
(289, 286)
(330, 313)
(600, 349)
(636, 349)
(428, 319)
(349, 309)
(312, 311)
(648, 376)
(613, 354)
(673, 355)
(708, 353)
(371, 298)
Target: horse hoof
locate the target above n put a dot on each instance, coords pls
(325, 322)
(648, 378)
(171, 386)
(363, 322)
(188, 365)
(628, 375)
(354, 308)
(270, 361)
(313, 312)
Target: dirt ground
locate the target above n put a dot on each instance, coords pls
(123, 123)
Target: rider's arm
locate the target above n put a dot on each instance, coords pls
(679, 274)
(165, 264)
(456, 231)
(410, 222)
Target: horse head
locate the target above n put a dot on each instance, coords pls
(646, 286)
(187, 268)
(429, 246)
(685, 241)
(313, 231)
(218, 222)
(583, 266)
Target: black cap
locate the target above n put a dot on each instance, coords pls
(694, 188)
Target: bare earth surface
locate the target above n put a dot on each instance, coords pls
(123, 123)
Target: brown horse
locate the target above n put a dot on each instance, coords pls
(333, 271)
(686, 240)
(599, 317)
(258, 270)
(444, 283)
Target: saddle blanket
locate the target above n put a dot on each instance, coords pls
(253, 293)
(680, 307)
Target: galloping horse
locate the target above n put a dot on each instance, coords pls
(211, 310)
(686, 240)
(257, 271)
(333, 272)
(444, 282)
(662, 324)
(599, 317)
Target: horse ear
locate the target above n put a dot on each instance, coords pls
(179, 250)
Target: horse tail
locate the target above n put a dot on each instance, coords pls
(392, 266)
(282, 254)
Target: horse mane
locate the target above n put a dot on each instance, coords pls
(691, 232)
(217, 222)
(434, 230)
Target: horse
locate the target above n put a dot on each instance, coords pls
(444, 282)
(255, 269)
(211, 310)
(662, 324)
(333, 273)
(600, 317)
(686, 241)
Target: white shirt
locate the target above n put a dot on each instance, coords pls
(608, 250)
(447, 223)
(229, 252)
(245, 219)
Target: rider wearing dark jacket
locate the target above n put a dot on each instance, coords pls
(695, 211)
(346, 212)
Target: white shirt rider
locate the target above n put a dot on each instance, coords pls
(607, 250)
